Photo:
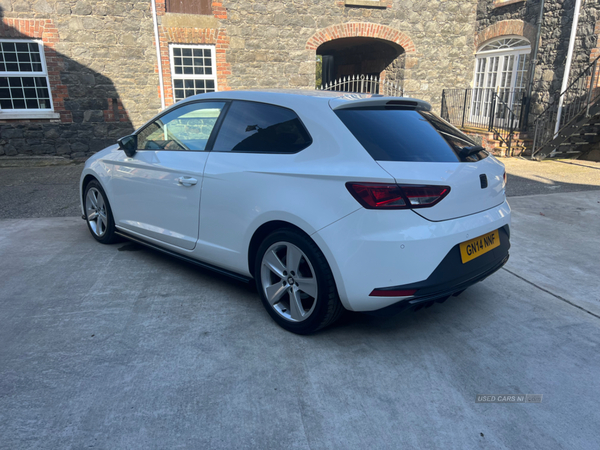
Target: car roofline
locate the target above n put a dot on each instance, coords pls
(371, 102)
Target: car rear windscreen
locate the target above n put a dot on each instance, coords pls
(402, 135)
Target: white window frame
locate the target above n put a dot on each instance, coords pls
(46, 113)
(503, 54)
(175, 76)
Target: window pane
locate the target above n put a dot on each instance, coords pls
(23, 57)
(260, 128)
(24, 93)
(186, 128)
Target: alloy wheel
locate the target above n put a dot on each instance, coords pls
(289, 281)
(95, 208)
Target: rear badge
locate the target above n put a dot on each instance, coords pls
(483, 180)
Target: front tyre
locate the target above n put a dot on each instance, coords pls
(98, 214)
(295, 283)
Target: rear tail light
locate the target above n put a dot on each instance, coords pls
(396, 196)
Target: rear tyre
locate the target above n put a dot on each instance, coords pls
(295, 283)
(98, 214)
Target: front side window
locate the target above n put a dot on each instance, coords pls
(193, 69)
(185, 128)
(24, 84)
(260, 128)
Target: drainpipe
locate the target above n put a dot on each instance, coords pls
(565, 82)
(158, 58)
(536, 46)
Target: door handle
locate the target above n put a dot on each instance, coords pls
(187, 181)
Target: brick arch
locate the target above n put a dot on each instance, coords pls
(355, 29)
(506, 28)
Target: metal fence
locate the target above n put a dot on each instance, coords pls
(497, 111)
(483, 108)
(364, 84)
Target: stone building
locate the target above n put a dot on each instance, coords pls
(80, 73)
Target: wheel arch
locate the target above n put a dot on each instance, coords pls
(262, 232)
(84, 182)
(86, 177)
(269, 227)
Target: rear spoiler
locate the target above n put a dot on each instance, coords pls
(349, 102)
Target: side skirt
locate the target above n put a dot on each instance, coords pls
(216, 269)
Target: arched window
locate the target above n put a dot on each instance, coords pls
(501, 66)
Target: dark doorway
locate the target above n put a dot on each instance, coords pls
(362, 56)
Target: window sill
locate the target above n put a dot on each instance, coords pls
(367, 3)
(500, 3)
(28, 115)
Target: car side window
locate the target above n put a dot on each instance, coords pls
(185, 128)
(261, 128)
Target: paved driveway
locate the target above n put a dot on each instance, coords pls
(121, 347)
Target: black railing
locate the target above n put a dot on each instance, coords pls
(577, 99)
(497, 111)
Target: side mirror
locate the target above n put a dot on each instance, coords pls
(128, 144)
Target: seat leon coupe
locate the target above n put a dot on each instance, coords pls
(328, 201)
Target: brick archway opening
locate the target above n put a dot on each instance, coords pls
(362, 49)
(347, 57)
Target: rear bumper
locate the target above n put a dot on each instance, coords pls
(452, 277)
(400, 250)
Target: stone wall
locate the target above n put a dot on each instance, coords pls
(101, 63)
(104, 73)
(271, 43)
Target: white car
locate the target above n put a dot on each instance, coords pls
(327, 200)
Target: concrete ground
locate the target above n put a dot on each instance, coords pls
(121, 347)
